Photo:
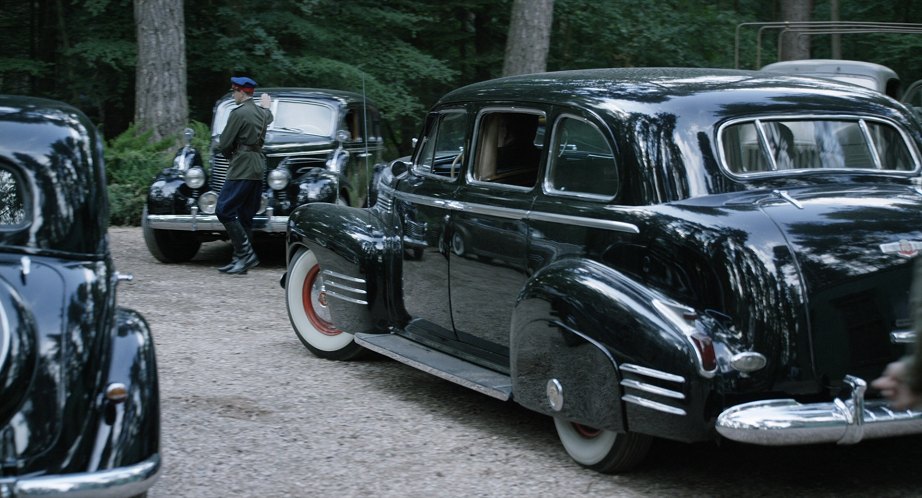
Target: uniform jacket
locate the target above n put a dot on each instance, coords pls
(246, 125)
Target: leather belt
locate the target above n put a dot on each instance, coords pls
(249, 148)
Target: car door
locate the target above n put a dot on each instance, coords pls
(488, 267)
(423, 204)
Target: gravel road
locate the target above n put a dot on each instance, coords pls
(249, 412)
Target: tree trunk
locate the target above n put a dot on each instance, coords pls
(794, 46)
(529, 37)
(161, 104)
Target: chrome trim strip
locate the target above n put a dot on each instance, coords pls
(518, 214)
(192, 223)
(342, 276)
(653, 405)
(652, 389)
(617, 226)
(123, 481)
(869, 140)
(903, 337)
(344, 287)
(649, 372)
(342, 297)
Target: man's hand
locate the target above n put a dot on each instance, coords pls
(265, 101)
(893, 385)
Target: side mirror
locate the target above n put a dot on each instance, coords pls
(343, 135)
(398, 167)
(187, 135)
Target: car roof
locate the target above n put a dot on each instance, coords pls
(654, 90)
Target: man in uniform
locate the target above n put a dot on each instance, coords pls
(241, 143)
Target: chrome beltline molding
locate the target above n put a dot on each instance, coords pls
(517, 214)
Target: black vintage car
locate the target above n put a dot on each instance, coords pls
(322, 146)
(671, 253)
(79, 402)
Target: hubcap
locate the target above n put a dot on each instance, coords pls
(586, 432)
(314, 300)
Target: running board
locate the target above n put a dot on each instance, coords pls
(450, 368)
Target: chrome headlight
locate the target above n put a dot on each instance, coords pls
(208, 202)
(195, 177)
(279, 178)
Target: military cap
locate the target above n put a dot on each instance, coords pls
(243, 83)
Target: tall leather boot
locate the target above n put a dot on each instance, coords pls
(243, 250)
(233, 261)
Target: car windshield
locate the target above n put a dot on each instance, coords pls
(779, 146)
(311, 118)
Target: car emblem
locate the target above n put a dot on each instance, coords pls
(905, 248)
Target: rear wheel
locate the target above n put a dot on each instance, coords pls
(169, 246)
(605, 451)
(310, 317)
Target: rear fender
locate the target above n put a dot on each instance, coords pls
(580, 323)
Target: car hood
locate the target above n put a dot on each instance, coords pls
(852, 248)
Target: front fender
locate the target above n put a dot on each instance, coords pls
(592, 328)
(354, 246)
(128, 431)
(168, 194)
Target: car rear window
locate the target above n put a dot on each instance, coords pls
(779, 146)
(12, 199)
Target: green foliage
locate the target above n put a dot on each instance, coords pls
(404, 54)
(132, 162)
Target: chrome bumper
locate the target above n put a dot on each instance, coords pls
(783, 422)
(124, 481)
(209, 222)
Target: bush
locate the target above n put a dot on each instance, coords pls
(132, 162)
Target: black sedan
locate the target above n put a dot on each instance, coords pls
(79, 400)
(689, 254)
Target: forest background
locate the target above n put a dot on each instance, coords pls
(404, 54)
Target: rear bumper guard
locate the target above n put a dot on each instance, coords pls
(783, 422)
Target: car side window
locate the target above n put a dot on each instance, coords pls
(509, 148)
(357, 120)
(442, 150)
(583, 162)
(12, 199)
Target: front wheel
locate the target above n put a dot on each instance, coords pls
(602, 450)
(169, 246)
(309, 313)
